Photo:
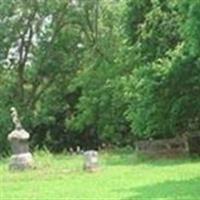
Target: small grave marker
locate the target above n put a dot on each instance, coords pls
(91, 163)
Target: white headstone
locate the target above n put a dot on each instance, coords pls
(91, 163)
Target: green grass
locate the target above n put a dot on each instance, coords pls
(122, 176)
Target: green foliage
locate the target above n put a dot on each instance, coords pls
(87, 72)
(162, 100)
(192, 25)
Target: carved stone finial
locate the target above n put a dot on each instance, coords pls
(15, 118)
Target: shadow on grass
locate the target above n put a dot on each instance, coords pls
(179, 190)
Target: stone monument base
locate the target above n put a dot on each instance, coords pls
(21, 161)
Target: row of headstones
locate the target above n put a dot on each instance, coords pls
(22, 158)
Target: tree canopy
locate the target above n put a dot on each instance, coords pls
(86, 72)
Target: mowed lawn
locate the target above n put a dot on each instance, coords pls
(122, 176)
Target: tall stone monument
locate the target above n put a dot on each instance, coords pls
(18, 138)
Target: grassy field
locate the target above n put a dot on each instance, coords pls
(122, 176)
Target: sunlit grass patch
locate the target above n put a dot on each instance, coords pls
(122, 176)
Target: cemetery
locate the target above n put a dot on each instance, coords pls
(100, 100)
(109, 173)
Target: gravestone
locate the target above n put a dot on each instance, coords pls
(91, 161)
(21, 158)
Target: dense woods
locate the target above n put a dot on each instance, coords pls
(87, 72)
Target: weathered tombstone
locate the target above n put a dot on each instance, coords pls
(18, 138)
(91, 161)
